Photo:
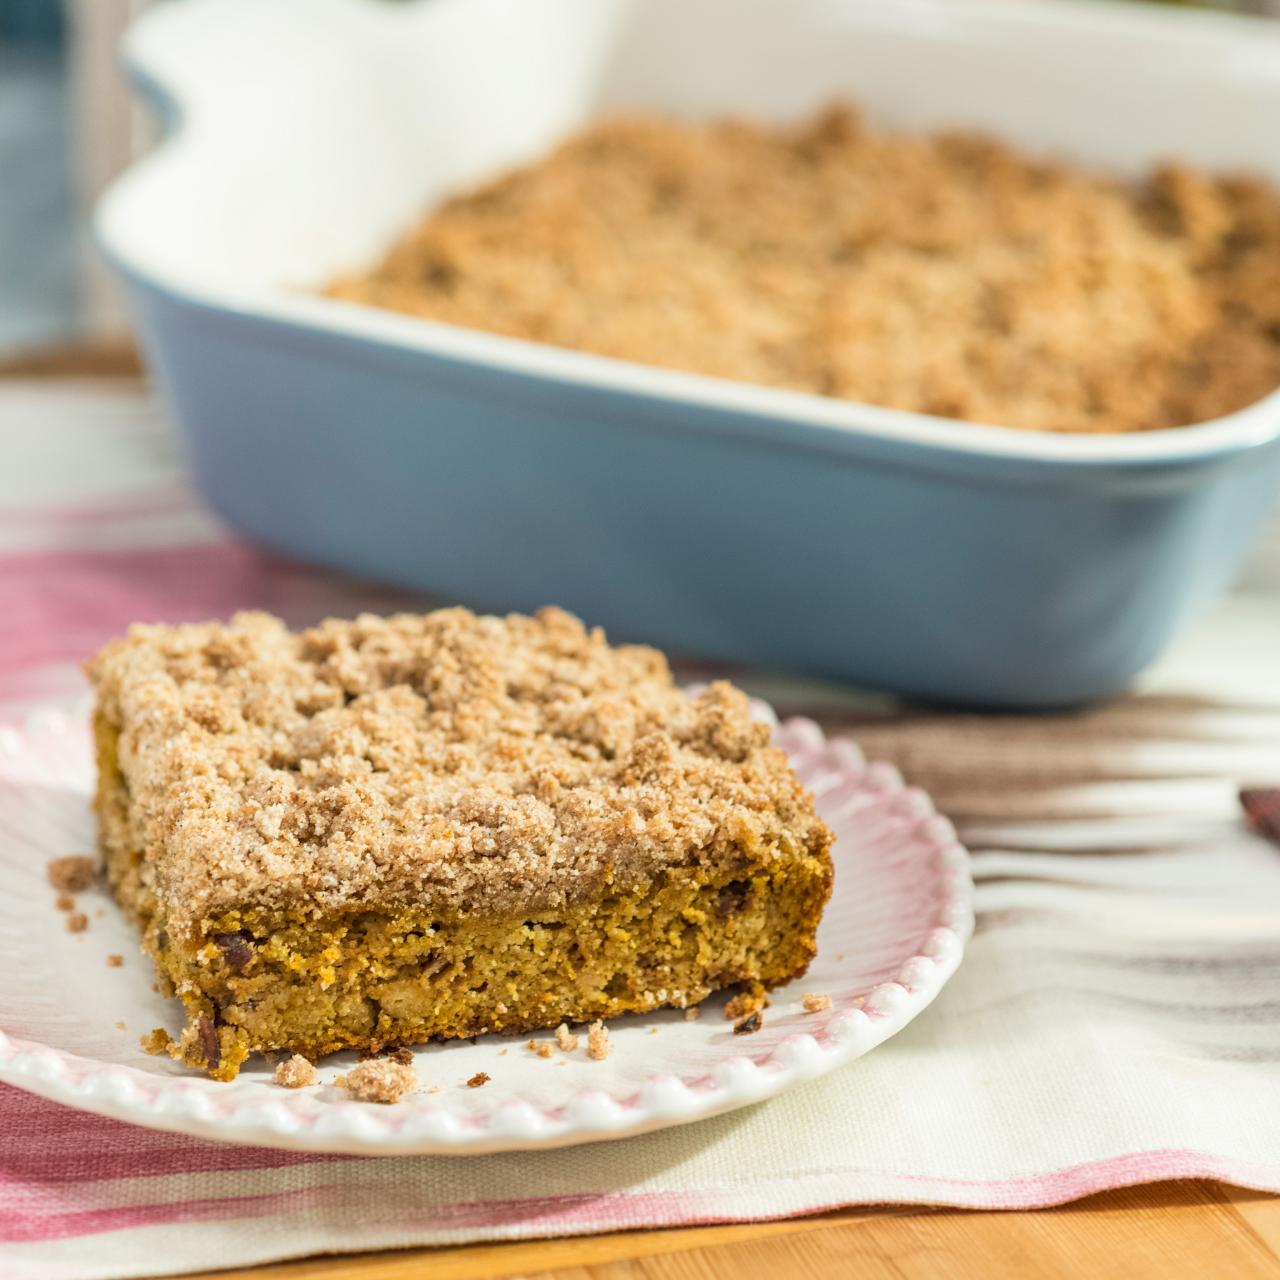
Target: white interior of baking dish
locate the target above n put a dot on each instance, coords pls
(310, 133)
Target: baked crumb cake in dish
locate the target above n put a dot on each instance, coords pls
(387, 830)
(944, 273)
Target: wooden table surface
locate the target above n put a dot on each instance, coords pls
(1160, 1231)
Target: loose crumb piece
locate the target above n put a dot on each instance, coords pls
(65, 902)
(749, 1025)
(815, 1003)
(434, 1088)
(653, 1031)
(295, 1073)
(119, 1026)
(73, 873)
(502, 1053)
(379, 1080)
(693, 1013)
(77, 922)
(543, 1048)
(564, 1039)
(598, 1046)
(114, 961)
(750, 1001)
(478, 1081)
(157, 1042)
(402, 1055)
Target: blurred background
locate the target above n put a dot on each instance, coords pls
(68, 124)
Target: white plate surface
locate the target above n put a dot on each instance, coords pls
(892, 935)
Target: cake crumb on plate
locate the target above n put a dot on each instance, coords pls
(65, 902)
(815, 1003)
(753, 1000)
(479, 1080)
(295, 1072)
(73, 873)
(565, 1039)
(598, 1046)
(115, 960)
(379, 1080)
(77, 922)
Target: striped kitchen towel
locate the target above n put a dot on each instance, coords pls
(1116, 1020)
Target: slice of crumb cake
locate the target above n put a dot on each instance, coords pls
(390, 829)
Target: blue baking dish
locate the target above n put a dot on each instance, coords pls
(927, 557)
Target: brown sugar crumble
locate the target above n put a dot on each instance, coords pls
(478, 1081)
(814, 1003)
(598, 1046)
(77, 922)
(379, 1080)
(114, 961)
(295, 1072)
(565, 1040)
(73, 873)
(945, 273)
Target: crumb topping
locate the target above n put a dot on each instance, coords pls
(474, 764)
(815, 1003)
(295, 1072)
(379, 1080)
(598, 1046)
(73, 873)
(944, 273)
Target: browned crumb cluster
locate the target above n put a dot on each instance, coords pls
(815, 1003)
(115, 961)
(295, 1072)
(543, 1048)
(72, 874)
(947, 273)
(749, 1025)
(77, 922)
(479, 1080)
(379, 1080)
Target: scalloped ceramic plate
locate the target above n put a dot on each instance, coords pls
(892, 935)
